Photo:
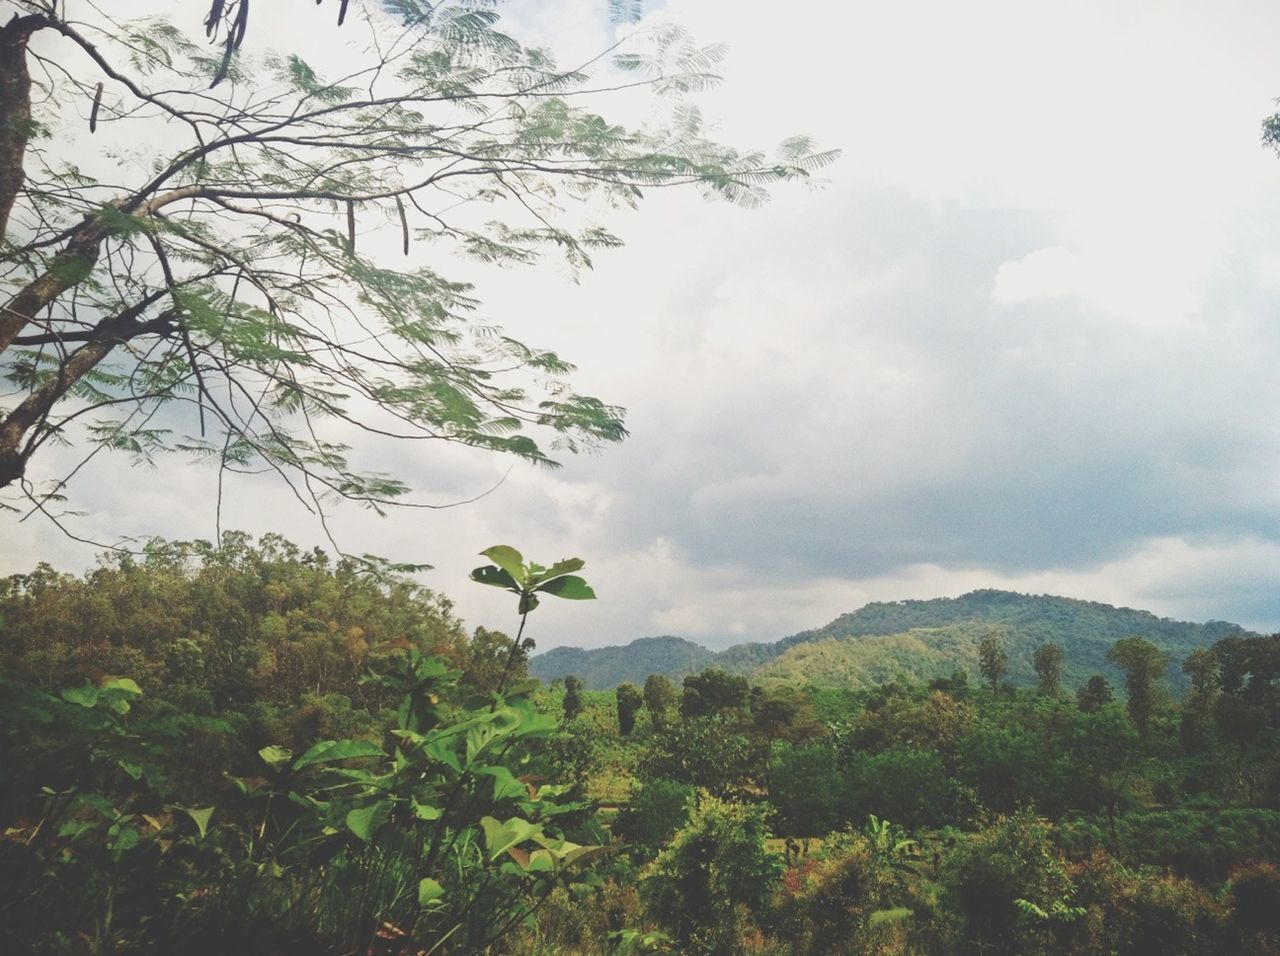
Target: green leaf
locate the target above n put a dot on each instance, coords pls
(510, 560)
(499, 837)
(424, 811)
(275, 757)
(570, 586)
(541, 861)
(125, 684)
(132, 769)
(200, 817)
(86, 696)
(557, 570)
(429, 892)
(495, 577)
(364, 821)
(327, 751)
(583, 855)
(505, 785)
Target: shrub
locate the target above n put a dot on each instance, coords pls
(985, 876)
(825, 903)
(654, 813)
(709, 885)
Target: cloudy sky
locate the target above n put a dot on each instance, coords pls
(1024, 337)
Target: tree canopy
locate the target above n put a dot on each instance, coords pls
(223, 289)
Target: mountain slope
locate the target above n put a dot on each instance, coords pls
(919, 639)
(606, 667)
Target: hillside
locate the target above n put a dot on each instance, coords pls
(920, 639)
(607, 667)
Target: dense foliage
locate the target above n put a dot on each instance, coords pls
(251, 747)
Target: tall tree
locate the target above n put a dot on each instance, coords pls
(223, 295)
(629, 699)
(1095, 694)
(993, 660)
(1143, 664)
(712, 692)
(572, 703)
(658, 697)
(1048, 660)
(1197, 708)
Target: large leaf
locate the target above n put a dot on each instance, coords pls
(505, 785)
(364, 821)
(570, 586)
(557, 570)
(275, 757)
(495, 577)
(86, 696)
(327, 751)
(429, 892)
(509, 559)
(126, 685)
(499, 837)
(200, 817)
(424, 811)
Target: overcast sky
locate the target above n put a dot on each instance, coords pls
(1025, 337)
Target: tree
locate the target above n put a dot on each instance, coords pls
(993, 661)
(222, 294)
(1095, 693)
(629, 700)
(1197, 709)
(1143, 664)
(658, 697)
(1048, 664)
(712, 692)
(572, 703)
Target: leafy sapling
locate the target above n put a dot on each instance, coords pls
(510, 572)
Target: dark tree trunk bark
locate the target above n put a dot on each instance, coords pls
(15, 109)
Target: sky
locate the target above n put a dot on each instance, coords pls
(1022, 336)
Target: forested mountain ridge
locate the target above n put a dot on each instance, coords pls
(919, 639)
(605, 667)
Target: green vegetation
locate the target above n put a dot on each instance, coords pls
(311, 757)
(913, 640)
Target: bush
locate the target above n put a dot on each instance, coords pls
(658, 810)
(1196, 843)
(709, 885)
(1143, 911)
(1254, 899)
(826, 902)
(985, 876)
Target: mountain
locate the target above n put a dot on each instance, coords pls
(606, 667)
(917, 639)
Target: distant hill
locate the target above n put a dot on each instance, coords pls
(917, 639)
(606, 667)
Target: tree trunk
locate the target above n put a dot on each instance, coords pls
(15, 109)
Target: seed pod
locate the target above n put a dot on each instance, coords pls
(404, 224)
(97, 104)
